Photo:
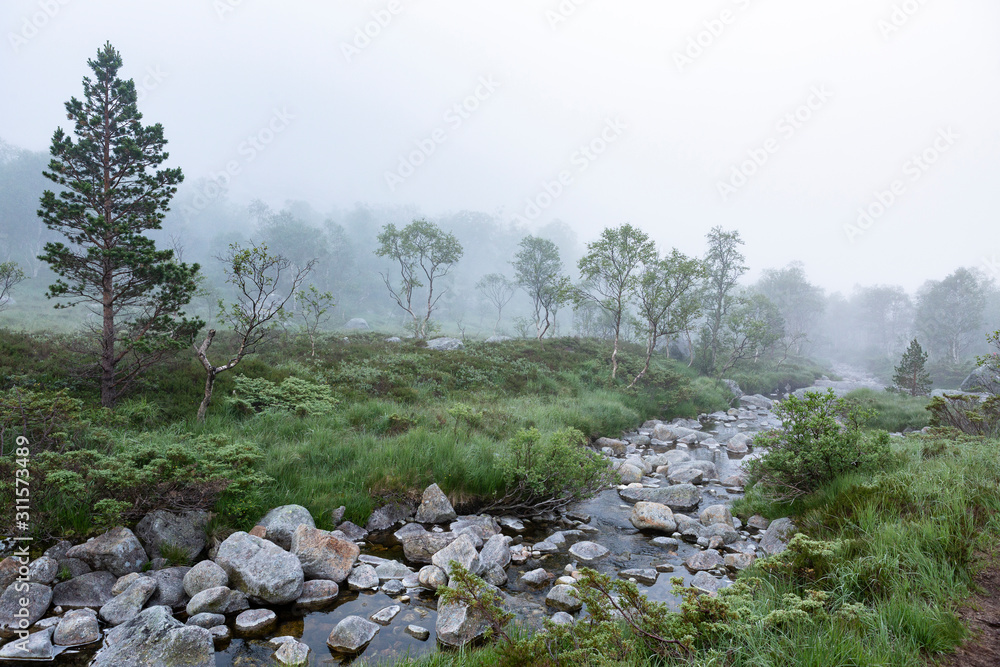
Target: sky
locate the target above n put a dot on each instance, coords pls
(859, 137)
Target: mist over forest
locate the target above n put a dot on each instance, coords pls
(950, 313)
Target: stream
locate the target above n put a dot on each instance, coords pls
(604, 519)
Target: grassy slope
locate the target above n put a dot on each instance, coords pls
(393, 431)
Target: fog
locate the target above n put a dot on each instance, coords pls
(884, 80)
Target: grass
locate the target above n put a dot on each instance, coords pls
(404, 417)
(895, 412)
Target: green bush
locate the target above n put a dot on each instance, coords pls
(293, 394)
(969, 414)
(83, 490)
(50, 420)
(541, 475)
(820, 439)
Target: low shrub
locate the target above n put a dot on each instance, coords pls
(820, 439)
(293, 394)
(967, 413)
(84, 490)
(546, 474)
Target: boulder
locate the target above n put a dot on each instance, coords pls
(536, 578)
(9, 569)
(705, 583)
(385, 615)
(495, 553)
(357, 324)
(420, 546)
(206, 574)
(392, 570)
(616, 446)
(352, 634)
(255, 621)
(74, 566)
(154, 638)
(564, 598)
(264, 571)
(435, 507)
(733, 387)
(704, 560)
(483, 526)
(293, 654)
(757, 401)
(775, 539)
(588, 551)
(458, 626)
(206, 620)
(13, 613)
(628, 473)
(418, 632)
(43, 570)
(118, 551)
(317, 593)
(127, 606)
(462, 550)
(78, 627)
(679, 498)
(432, 577)
(679, 475)
(37, 646)
(445, 344)
(983, 379)
(387, 516)
(653, 516)
(350, 531)
(280, 523)
(184, 533)
(92, 589)
(738, 562)
(714, 514)
(363, 578)
(323, 555)
(218, 600)
(739, 443)
(169, 587)
(645, 575)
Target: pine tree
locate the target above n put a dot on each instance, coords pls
(910, 374)
(112, 192)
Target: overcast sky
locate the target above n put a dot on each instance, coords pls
(781, 118)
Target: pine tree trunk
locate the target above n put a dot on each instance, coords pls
(107, 360)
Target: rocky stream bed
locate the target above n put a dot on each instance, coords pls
(287, 593)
